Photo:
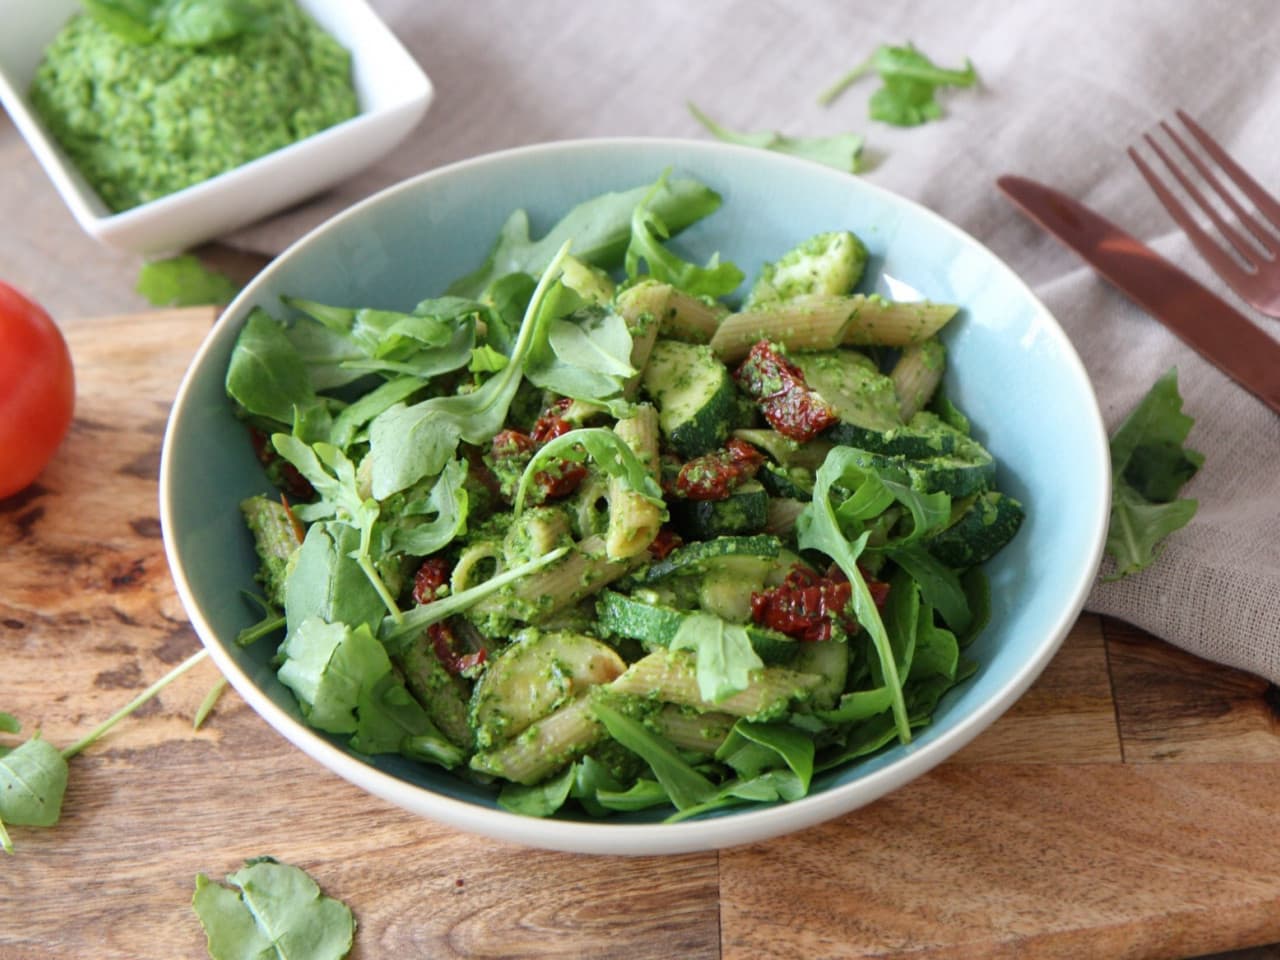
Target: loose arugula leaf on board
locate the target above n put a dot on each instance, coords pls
(609, 452)
(33, 779)
(910, 84)
(271, 910)
(818, 528)
(184, 282)
(722, 652)
(409, 443)
(600, 229)
(842, 151)
(1149, 465)
(648, 233)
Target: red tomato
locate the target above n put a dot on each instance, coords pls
(37, 390)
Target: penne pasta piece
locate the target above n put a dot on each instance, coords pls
(887, 323)
(633, 520)
(579, 573)
(690, 730)
(546, 746)
(824, 322)
(917, 374)
(780, 515)
(671, 676)
(679, 315)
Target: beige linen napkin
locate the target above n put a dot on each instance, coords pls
(1065, 88)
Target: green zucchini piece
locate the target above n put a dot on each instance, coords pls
(924, 435)
(980, 531)
(694, 557)
(743, 511)
(862, 397)
(795, 483)
(655, 625)
(826, 263)
(694, 394)
(828, 659)
(967, 470)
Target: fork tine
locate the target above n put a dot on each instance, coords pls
(1234, 240)
(1265, 241)
(1209, 249)
(1265, 202)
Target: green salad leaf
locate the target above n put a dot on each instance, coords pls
(33, 779)
(1149, 466)
(723, 654)
(600, 229)
(269, 909)
(910, 82)
(649, 231)
(842, 151)
(184, 282)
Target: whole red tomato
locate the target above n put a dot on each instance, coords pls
(37, 390)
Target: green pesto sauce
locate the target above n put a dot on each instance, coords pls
(143, 120)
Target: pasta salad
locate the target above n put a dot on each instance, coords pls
(596, 528)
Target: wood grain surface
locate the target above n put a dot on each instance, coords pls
(1124, 808)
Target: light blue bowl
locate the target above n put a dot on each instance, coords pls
(1012, 371)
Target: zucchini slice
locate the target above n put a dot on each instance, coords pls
(744, 511)
(655, 625)
(695, 557)
(979, 532)
(694, 395)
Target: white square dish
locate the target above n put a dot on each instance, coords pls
(393, 93)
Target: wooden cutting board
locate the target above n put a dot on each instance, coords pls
(1125, 808)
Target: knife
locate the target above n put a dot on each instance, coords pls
(1205, 322)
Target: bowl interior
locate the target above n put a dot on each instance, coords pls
(1012, 370)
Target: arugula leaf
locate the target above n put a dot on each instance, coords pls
(910, 84)
(448, 502)
(271, 910)
(327, 583)
(600, 229)
(648, 231)
(818, 528)
(328, 666)
(184, 282)
(585, 355)
(685, 787)
(1149, 465)
(842, 151)
(333, 476)
(409, 443)
(33, 779)
(540, 799)
(485, 359)
(610, 453)
(266, 375)
(723, 655)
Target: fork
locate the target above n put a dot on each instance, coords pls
(1254, 271)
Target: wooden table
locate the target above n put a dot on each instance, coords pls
(1126, 807)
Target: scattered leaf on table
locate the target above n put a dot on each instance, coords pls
(1149, 465)
(275, 911)
(910, 81)
(184, 282)
(843, 151)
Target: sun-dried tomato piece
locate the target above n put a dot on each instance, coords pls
(551, 424)
(445, 643)
(666, 541)
(282, 473)
(431, 576)
(511, 443)
(808, 605)
(778, 387)
(714, 476)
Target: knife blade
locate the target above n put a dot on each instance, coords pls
(1203, 320)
